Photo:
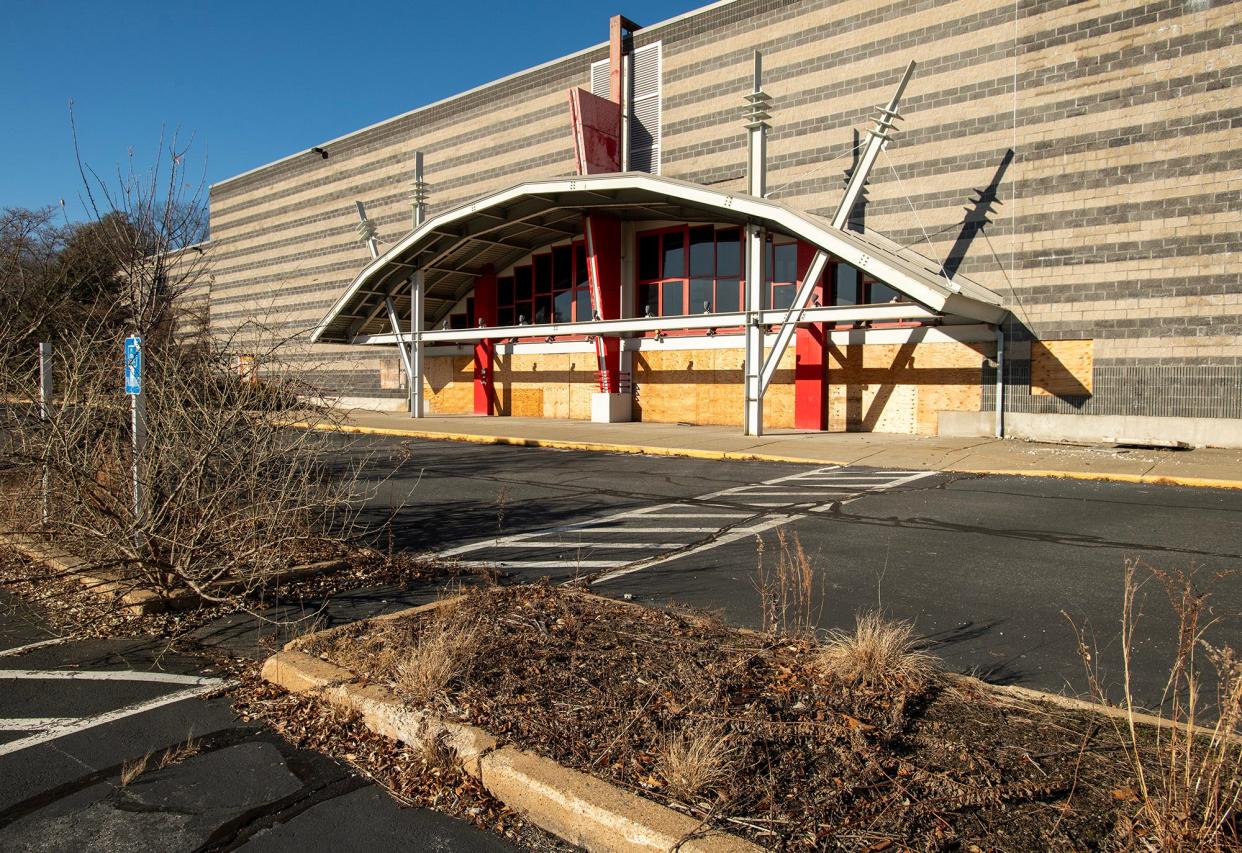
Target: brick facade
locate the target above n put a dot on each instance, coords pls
(1082, 159)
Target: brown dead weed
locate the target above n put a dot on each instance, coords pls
(807, 759)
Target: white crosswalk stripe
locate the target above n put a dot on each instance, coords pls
(629, 541)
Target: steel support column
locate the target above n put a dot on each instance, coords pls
(1000, 381)
(417, 405)
(753, 408)
(418, 211)
(757, 138)
(877, 139)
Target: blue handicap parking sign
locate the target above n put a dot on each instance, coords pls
(133, 365)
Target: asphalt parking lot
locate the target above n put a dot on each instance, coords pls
(73, 714)
(991, 569)
(987, 568)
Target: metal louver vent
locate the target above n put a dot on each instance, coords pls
(645, 111)
(599, 78)
(645, 87)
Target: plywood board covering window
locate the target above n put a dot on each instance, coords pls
(1062, 368)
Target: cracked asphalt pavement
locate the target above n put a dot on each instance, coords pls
(245, 789)
(990, 569)
(987, 567)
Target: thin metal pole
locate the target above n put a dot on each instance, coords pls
(417, 405)
(753, 392)
(878, 139)
(419, 210)
(138, 420)
(1000, 382)
(757, 127)
(45, 413)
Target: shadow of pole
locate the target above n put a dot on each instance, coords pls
(977, 216)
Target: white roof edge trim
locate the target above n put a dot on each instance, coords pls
(666, 22)
(826, 238)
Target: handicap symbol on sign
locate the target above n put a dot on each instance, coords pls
(133, 365)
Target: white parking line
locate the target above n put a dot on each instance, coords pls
(109, 675)
(742, 532)
(74, 726)
(547, 564)
(806, 492)
(32, 724)
(529, 543)
(649, 529)
(664, 515)
(724, 539)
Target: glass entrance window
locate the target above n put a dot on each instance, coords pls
(782, 269)
(552, 288)
(689, 270)
(851, 287)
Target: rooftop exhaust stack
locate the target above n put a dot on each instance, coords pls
(757, 104)
(879, 138)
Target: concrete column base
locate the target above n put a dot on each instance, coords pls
(611, 408)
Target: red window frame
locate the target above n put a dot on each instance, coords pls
(544, 283)
(654, 286)
(780, 292)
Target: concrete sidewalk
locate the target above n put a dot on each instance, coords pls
(1208, 467)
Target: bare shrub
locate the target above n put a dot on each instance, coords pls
(224, 496)
(786, 590)
(440, 651)
(229, 494)
(695, 758)
(1188, 770)
(877, 653)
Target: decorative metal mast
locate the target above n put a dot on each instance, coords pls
(879, 138)
(419, 210)
(757, 115)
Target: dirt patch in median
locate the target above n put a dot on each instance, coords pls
(757, 735)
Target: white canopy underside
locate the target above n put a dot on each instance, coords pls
(455, 247)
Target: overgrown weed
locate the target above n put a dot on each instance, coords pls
(695, 758)
(440, 651)
(878, 653)
(1188, 771)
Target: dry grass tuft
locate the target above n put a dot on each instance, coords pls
(131, 770)
(178, 752)
(695, 758)
(878, 652)
(442, 648)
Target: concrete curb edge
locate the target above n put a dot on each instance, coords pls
(579, 808)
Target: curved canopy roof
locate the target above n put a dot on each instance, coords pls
(454, 247)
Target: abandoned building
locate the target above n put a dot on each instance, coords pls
(968, 217)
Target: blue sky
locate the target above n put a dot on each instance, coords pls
(250, 82)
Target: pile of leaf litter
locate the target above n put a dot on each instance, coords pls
(47, 596)
(751, 733)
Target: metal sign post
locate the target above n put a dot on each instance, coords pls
(45, 412)
(138, 413)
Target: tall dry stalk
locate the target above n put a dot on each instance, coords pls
(1188, 770)
(786, 590)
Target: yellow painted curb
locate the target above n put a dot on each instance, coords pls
(739, 456)
(1141, 479)
(560, 444)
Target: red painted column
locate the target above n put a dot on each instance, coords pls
(810, 370)
(484, 351)
(603, 245)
